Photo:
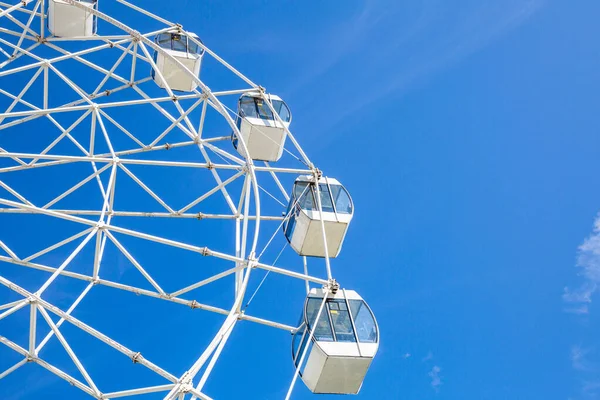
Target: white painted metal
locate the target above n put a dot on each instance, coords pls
(173, 77)
(265, 138)
(314, 228)
(337, 367)
(307, 239)
(176, 72)
(306, 348)
(65, 20)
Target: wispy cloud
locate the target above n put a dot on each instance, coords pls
(436, 380)
(591, 389)
(588, 263)
(398, 53)
(434, 373)
(428, 357)
(578, 301)
(579, 359)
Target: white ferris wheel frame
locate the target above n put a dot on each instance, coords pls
(97, 232)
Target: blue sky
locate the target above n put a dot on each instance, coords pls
(467, 136)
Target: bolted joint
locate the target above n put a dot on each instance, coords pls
(200, 216)
(261, 89)
(318, 174)
(194, 304)
(174, 99)
(136, 35)
(107, 92)
(210, 166)
(332, 285)
(167, 146)
(136, 357)
(205, 251)
(252, 261)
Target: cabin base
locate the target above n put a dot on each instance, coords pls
(334, 375)
(307, 237)
(264, 139)
(176, 78)
(66, 20)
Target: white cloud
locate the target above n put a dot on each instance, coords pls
(473, 29)
(436, 380)
(428, 357)
(590, 389)
(588, 263)
(580, 309)
(578, 358)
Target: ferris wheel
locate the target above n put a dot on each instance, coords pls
(114, 149)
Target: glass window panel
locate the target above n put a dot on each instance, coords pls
(299, 188)
(282, 109)
(342, 324)
(326, 203)
(307, 202)
(298, 336)
(193, 48)
(263, 109)
(247, 107)
(179, 42)
(300, 347)
(343, 204)
(364, 322)
(164, 40)
(290, 225)
(305, 197)
(322, 331)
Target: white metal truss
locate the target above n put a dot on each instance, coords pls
(30, 54)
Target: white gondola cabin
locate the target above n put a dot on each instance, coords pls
(263, 134)
(303, 227)
(344, 342)
(67, 20)
(185, 51)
